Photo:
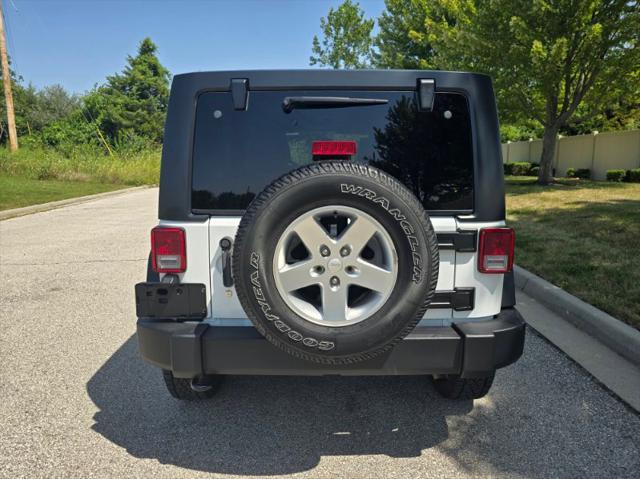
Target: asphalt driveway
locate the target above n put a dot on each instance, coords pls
(77, 401)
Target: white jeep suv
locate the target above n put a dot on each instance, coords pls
(330, 222)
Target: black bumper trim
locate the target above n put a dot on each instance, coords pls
(471, 349)
(491, 344)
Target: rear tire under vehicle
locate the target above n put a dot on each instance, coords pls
(455, 387)
(180, 388)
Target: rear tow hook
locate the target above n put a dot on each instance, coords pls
(201, 384)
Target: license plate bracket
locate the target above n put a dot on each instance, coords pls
(177, 301)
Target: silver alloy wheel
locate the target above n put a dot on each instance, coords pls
(335, 266)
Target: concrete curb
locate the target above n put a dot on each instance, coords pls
(615, 334)
(27, 210)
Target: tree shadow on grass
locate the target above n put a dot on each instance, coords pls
(602, 216)
(524, 188)
(588, 248)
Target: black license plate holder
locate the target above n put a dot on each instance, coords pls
(175, 301)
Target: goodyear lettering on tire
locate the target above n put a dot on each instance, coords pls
(279, 324)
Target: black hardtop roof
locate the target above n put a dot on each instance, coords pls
(319, 78)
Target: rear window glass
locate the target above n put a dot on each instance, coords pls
(238, 153)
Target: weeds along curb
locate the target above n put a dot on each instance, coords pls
(27, 210)
(618, 336)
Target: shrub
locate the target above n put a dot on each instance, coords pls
(518, 132)
(571, 173)
(508, 168)
(616, 175)
(522, 168)
(535, 171)
(633, 176)
(583, 173)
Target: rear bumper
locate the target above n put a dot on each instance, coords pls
(470, 349)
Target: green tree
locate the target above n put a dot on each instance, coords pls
(35, 109)
(405, 37)
(132, 103)
(347, 39)
(614, 104)
(567, 64)
(547, 58)
(67, 133)
(401, 38)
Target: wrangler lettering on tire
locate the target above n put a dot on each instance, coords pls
(397, 214)
(335, 262)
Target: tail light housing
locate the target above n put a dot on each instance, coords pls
(495, 251)
(168, 250)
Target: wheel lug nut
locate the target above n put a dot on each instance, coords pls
(319, 269)
(325, 251)
(334, 281)
(345, 251)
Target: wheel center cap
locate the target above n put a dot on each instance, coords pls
(334, 265)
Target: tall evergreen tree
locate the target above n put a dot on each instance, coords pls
(132, 103)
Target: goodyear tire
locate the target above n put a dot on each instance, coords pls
(335, 262)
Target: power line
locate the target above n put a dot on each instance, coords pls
(10, 42)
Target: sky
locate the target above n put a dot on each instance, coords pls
(77, 43)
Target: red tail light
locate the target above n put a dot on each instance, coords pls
(168, 250)
(496, 250)
(333, 148)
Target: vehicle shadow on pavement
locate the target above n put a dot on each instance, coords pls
(266, 424)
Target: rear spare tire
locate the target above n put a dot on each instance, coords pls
(335, 262)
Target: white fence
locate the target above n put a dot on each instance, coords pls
(599, 152)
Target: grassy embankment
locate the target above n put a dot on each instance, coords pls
(35, 175)
(582, 236)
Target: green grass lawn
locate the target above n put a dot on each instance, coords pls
(582, 236)
(16, 191)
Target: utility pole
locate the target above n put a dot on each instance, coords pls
(6, 79)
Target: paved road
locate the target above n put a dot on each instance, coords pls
(76, 401)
